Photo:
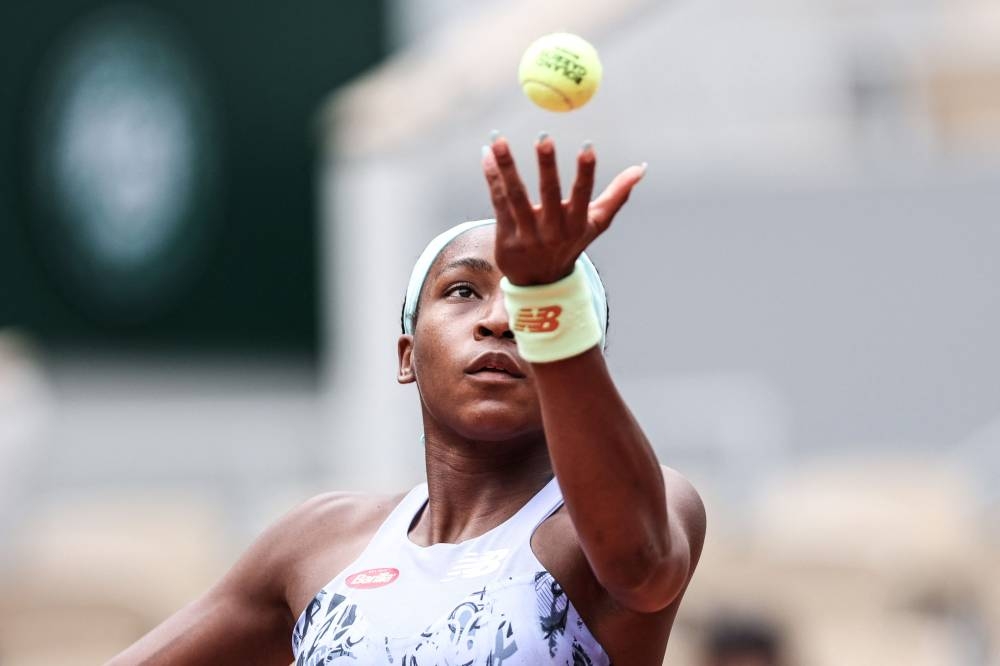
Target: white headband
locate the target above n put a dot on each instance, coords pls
(439, 242)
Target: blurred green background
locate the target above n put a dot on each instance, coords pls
(240, 265)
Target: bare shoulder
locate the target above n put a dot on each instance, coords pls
(687, 507)
(319, 522)
(322, 536)
(333, 516)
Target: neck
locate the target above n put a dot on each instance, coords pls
(473, 486)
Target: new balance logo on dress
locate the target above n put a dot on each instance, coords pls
(473, 565)
(538, 320)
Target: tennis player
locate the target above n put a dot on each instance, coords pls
(547, 532)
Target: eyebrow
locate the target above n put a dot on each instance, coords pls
(473, 263)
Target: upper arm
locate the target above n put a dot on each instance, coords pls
(686, 518)
(558, 547)
(686, 523)
(244, 617)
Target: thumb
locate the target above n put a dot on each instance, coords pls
(604, 208)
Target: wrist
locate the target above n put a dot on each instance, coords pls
(553, 321)
(551, 277)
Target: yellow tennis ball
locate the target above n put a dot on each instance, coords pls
(560, 72)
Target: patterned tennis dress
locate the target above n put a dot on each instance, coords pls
(483, 602)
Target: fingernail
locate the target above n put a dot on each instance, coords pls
(542, 136)
(486, 151)
(588, 146)
(643, 167)
(494, 135)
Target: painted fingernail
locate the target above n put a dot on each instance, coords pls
(542, 136)
(486, 151)
(494, 135)
(643, 166)
(587, 146)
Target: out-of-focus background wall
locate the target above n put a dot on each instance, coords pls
(208, 213)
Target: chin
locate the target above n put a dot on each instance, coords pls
(496, 422)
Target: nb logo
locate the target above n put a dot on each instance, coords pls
(538, 320)
(475, 564)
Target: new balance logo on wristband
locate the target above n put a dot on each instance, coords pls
(538, 320)
(553, 321)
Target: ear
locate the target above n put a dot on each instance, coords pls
(404, 348)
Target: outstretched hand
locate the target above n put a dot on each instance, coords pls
(539, 243)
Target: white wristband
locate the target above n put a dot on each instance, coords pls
(552, 321)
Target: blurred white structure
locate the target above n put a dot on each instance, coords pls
(25, 412)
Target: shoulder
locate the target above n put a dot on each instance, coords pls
(325, 525)
(336, 514)
(316, 540)
(686, 508)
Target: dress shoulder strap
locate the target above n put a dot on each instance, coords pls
(545, 502)
(397, 523)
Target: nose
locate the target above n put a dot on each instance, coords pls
(494, 321)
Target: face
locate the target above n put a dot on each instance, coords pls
(462, 354)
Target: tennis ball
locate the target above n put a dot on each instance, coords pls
(560, 72)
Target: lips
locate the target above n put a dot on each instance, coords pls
(495, 362)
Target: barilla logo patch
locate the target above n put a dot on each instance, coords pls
(538, 320)
(369, 578)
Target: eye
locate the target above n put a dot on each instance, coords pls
(463, 290)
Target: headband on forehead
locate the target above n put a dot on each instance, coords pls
(439, 242)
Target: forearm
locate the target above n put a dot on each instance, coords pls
(611, 481)
(214, 630)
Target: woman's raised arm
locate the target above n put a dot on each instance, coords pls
(641, 533)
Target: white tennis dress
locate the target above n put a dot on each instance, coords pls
(483, 602)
